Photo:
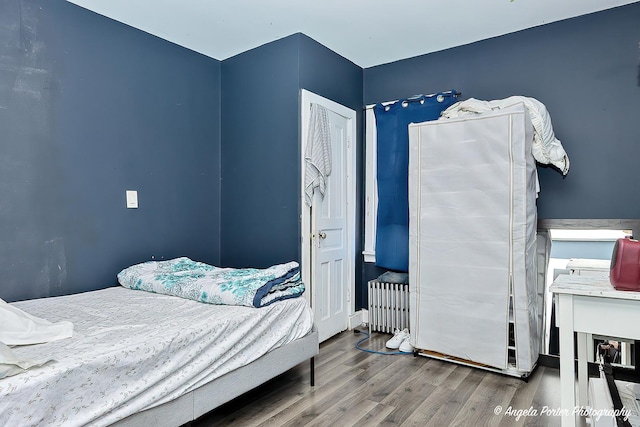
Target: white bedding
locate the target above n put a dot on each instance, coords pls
(133, 350)
(20, 328)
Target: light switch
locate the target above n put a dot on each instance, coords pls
(132, 199)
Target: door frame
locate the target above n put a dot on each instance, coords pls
(306, 99)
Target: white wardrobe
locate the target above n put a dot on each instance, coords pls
(472, 237)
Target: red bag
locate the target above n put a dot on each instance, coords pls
(625, 265)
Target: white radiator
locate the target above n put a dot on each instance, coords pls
(388, 306)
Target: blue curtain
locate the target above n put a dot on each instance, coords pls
(392, 126)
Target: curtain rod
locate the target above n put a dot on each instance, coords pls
(417, 98)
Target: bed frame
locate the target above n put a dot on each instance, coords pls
(198, 402)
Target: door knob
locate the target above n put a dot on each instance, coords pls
(322, 235)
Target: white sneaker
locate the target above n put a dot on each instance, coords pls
(397, 339)
(406, 346)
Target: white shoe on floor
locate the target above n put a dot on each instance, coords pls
(397, 339)
(406, 346)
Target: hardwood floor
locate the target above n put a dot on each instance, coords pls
(356, 388)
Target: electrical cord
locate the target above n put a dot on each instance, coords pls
(390, 353)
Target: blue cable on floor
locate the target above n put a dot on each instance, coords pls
(374, 351)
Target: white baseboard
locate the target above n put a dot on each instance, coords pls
(358, 318)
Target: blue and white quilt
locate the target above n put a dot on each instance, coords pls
(202, 282)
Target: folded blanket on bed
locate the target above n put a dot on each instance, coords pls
(190, 279)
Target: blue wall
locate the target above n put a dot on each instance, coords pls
(261, 204)
(88, 109)
(585, 70)
(260, 162)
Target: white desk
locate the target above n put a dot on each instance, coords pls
(588, 305)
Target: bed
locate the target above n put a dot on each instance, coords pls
(143, 358)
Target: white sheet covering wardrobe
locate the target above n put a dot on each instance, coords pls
(472, 237)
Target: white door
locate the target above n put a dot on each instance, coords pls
(329, 246)
(330, 266)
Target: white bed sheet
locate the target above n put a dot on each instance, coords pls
(133, 350)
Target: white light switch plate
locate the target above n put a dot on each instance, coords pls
(132, 199)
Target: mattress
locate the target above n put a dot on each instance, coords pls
(133, 350)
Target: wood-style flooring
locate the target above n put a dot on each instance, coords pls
(357, 388)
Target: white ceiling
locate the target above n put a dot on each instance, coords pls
(367, 32)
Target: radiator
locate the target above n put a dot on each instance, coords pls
(388, 306)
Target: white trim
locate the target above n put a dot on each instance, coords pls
(356, 319)
(371, 187)
(587, 235)
(371, 183)
(306, 99)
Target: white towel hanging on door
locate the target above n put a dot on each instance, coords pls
(317, 156)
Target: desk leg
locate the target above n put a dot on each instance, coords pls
(567, 371)
(583, 377)
(591, 350)
(636, 352)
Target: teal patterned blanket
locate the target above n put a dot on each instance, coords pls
(190, 279)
